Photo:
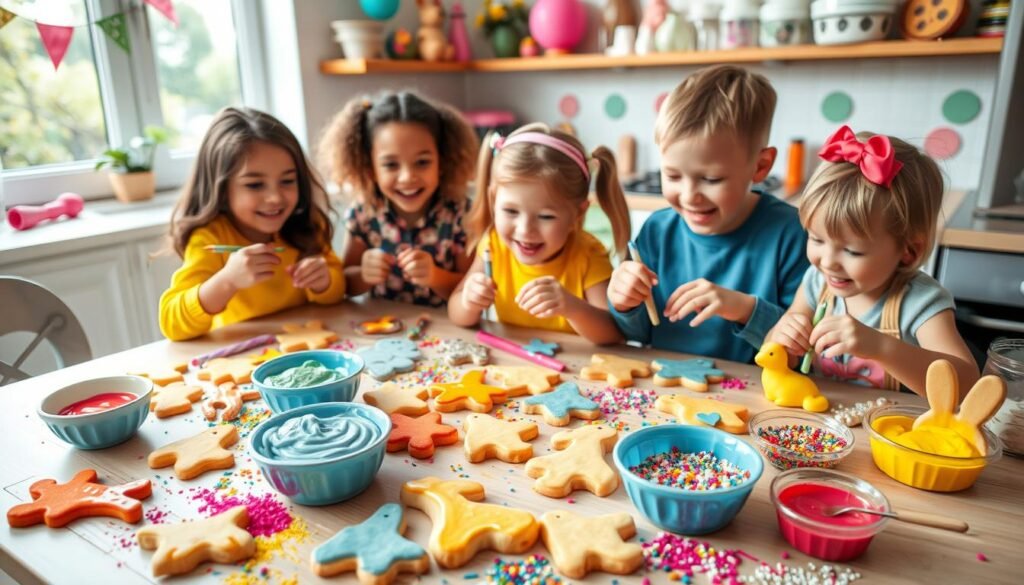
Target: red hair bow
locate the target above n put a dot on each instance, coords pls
(876, 157)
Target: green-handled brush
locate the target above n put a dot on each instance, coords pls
(819, 314)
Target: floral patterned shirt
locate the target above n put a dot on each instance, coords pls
(439, 233)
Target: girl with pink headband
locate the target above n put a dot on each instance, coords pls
(871, 211)
(535, 264)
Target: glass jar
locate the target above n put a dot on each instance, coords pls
(1006, 360)
(703, 16)
(785, 22)
(738, 24)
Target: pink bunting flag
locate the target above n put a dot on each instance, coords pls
(166, 7)
(56, 40)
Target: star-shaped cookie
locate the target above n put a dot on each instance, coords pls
(692, 374)
(312, 335)
(420, 435)
(392, 398)
(468, 393)
(560, 406)
(388, 357)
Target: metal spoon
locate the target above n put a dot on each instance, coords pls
(922, 518)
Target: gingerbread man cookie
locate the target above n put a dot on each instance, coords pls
(463, 526)
(469, 393)
(383, 326)
(580, 545)
(312, 335)
(727, 416)
(175, 398)
(578, 464)
(392, 398)
(692, 374)
(181, 547)
(229, 399)
(164, 375)
(420, 435)
(560, 406)
(488, 437)
(618, 371)
(388, 357)
(56, 504)
(459, 351)
(196, 455)
(520, 380)
(375, 550)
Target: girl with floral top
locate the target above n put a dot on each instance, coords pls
(408, 162)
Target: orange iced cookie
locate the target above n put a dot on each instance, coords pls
(420, 435)
(578, 463)
(312, 335)
(181, 547)
(468, 393)
(618, 371)
(56, 504)
(196, 455)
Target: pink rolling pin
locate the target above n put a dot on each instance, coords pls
(258, 341)
(517, 350)
(24, 217)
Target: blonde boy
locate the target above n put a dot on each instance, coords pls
(724, 261)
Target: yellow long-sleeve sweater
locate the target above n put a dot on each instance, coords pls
(183, 317)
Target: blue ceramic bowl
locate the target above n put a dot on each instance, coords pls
(97, 430)
(319, 481)
(674, 509)
(285, 399)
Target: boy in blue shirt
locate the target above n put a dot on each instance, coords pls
(724, 261)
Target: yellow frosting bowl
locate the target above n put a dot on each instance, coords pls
(919, 469)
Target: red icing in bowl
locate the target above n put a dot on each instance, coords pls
(835, 538)
(98, 403)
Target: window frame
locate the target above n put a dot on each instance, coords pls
(130, 94)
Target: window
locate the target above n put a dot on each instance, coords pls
(53, 124)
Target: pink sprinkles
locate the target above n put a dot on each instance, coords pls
(690, 471)
(267, 515)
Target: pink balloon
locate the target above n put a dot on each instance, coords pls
(558, 25)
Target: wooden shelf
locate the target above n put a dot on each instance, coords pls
(878, 50)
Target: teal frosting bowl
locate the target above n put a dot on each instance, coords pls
(674, 509)
(322, 453)
(97, 430)
(284, 399)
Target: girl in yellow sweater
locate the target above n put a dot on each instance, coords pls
(252, 229)
(545, 271)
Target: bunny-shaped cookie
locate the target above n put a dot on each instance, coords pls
(430, 39)
(943, 389)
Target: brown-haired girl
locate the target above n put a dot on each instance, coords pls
(408, 162)
(252, 228)
(544, 270)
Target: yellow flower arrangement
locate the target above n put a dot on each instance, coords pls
(501, 13)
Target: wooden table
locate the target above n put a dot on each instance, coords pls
(98, 549)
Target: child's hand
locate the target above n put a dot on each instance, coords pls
(842, 334)
(376, 265)
(310, 273)
(542, 297)
(250, 265)
(418, 266)
(630, 285)
(707, 299)
(793, 331)
(478, 292)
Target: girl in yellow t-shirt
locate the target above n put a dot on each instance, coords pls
(545, 271)
(252, 229)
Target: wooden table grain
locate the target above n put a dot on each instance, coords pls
(103, 550)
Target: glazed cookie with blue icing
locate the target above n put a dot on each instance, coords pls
(375, 550)
(693, 374)
(388, 357)
(562, 405)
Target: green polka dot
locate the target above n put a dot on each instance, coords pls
(837, 106)
(961, 106)
(615, 106)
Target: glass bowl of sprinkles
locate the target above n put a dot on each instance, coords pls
(687, 479)
(789, 439)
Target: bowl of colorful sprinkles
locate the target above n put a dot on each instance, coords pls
(790, 438)
(687, 479)
(308, 377)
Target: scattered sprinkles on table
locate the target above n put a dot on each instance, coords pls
(613, 401)
(533, 570)
(734, 384)
(690, 471)
(267, 515)
(803, 442)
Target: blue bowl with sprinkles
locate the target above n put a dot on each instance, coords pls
(322, 454)
(280, 399)
(722, 472)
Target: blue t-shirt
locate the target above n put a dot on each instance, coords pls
(765, 257)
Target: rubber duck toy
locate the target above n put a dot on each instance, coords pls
(782, 385)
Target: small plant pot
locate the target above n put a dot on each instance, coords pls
(133, 186)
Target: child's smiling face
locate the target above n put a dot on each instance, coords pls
(264, 191)
(406, 167)
(707, 179)
(532, 223)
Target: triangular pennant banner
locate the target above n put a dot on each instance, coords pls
(117, 30)
(56, 40)
(166, 8)
(5, 17)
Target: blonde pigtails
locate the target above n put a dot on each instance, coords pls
(481, 216)
(611, 198)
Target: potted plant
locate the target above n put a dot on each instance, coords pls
(131, 168)
(505, 24)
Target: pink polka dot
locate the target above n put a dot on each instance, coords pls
(942, 143)
(659, 100)
(569, 106)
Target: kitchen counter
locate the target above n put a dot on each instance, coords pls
(973, 232)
